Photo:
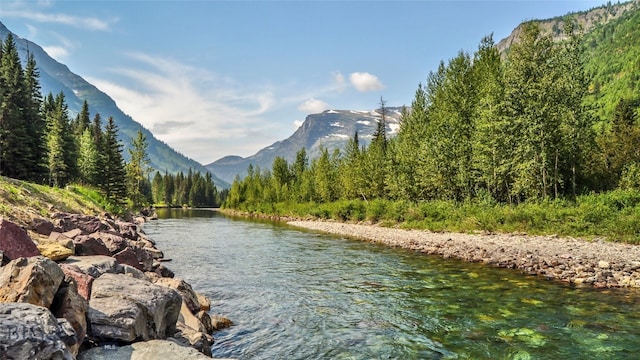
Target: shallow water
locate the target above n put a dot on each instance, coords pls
(301, 295)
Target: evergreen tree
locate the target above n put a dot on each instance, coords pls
(35, 125)
(82, 121)
(138, 170)
(14, 141)
(114, 184)
(88, 158)
(157, 188)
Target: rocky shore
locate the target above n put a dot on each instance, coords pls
(94, 287)
(586, 263)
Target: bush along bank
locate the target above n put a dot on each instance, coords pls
(89, 287)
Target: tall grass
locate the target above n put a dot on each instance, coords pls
(613, 215)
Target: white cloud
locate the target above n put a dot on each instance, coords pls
(313, 106)
(364, 82)
(194, 110)
(82, 22)
(297, 124)
(56, 52)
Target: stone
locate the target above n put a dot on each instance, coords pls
(128, 230)
(32, 280)
(55, 251)
(128, 256)
(220, 322)
(205, 303)
(14, 241)
(62, 239)
(164, 271)
(87, 245)
(145, 257)
(42, 226)
(83, 281)
(72, 233)
(70, 305)
(196, 339)
(189, 319)
(145, 350)
(205, 320)
(123, 308)
(29, 331)
(95, 265)
(115, 243)
(133, 272)
(186, 292)
(603, 264)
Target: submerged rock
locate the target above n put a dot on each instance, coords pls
(29, 331)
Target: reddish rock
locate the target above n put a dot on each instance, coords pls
(14, 241)
(83, 281)
(87, 245)
(42, 226)
(114, 242)
(128, 257)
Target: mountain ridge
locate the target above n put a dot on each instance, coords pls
(330, 129)
(56, 77)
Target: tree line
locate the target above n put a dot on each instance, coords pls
(483, 127)
(41, 143)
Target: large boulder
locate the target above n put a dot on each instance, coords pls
(144, 350)
(123, 308)
(205, 303)
(29, 331)
(68, 304)
(32, 280)
(88, 224)
(42, 226)
(14, 241)
(95, 265)
(128, 257)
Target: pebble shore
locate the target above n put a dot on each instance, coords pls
(594, 263)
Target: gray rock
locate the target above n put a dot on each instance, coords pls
(95, 265)
(145, 350)
(127, 309)
(29, 331)
(186, 291)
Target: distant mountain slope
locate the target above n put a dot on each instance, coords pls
(331, 129)
(612, 56)
(56, 77)
(588, 20)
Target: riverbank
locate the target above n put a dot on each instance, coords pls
(586, 263)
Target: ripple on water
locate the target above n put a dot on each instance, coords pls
(300, 295)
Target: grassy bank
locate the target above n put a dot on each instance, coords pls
(614, 215)
(22, 201)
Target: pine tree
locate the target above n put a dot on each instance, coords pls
(88, 158)
(82, 121)
(114, 184)
(14, 141)
(137, 170)
(35, 125)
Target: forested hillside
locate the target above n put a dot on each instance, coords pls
(42, 143)
(486, 128)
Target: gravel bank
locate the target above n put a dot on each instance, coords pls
(594, 263)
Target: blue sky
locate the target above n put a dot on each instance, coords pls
(216, 78)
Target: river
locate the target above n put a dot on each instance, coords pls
(301, 295)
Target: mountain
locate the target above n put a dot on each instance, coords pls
(56, 77)
(612, 53)
(588, 20)
(330, 129)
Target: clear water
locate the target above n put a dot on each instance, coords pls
(302, 295)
